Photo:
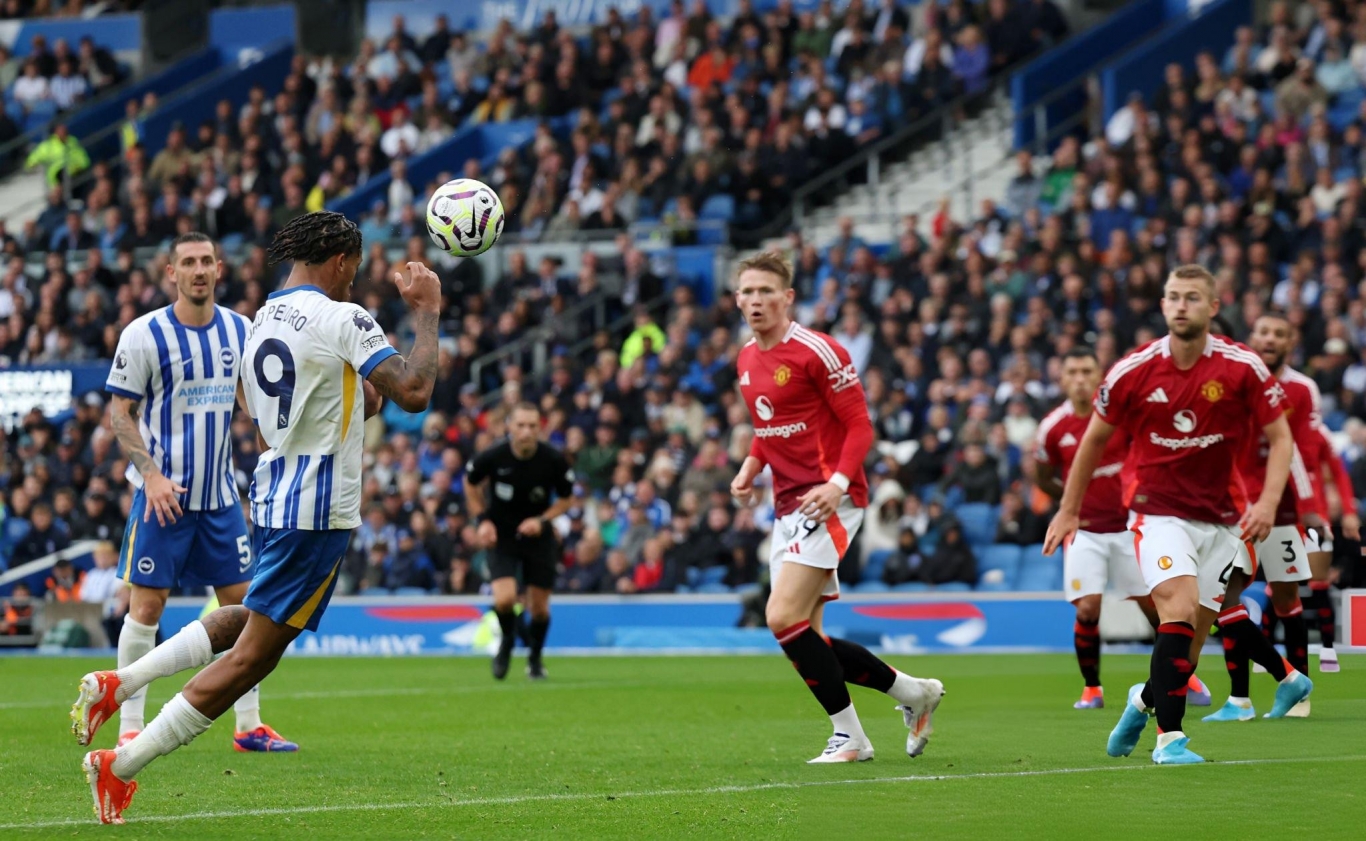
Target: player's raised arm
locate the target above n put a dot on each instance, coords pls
(1067, 520)
(408, 381)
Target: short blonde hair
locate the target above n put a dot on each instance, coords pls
(772, 262)
(1192, 271)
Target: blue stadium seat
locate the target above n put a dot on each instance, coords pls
(979, 522)
(871, 587)
(711, 236)
(713, 575)
(1334, 420)
(683, 589)
(953, 587)
(872, 568)
(1039, 572)
(712, 589)
(693, 576)
(1002, 556)
(410, 591)
(994, 587)
(911, 587)
(719, 206)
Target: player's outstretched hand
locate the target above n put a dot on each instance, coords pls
(1060, 531)
(163, 498)
(819, 503)
(530, 527)
(422, 289)
(1351, 526)
(1257, 522)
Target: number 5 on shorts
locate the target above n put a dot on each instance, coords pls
(243, 552)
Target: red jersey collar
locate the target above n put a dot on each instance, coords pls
(1166, 344)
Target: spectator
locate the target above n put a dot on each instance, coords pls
(905, 563)
(18, 612)
(61, 154)
(951, 561)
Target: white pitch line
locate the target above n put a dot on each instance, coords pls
(382, 692)
(605, 796)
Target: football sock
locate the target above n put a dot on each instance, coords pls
(248, 710)
(1234, 622)
(507, 621)
(177, 725)
(1171, 670)
(536, 633)
(1146, 696)
(188, 649)
(1235, 660)
(1321, 599)
(862, 667)
(814, 660)
(1086, 639)
(1296, 636)
(135, 641)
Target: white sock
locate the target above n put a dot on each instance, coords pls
(846, 722)
(188, 649)
(1239, 702)
(904, 689)
(177, 725)
(248, 710)
(136, 640)
(1289, 675)
(1164, 739)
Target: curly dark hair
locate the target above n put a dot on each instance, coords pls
(315, 238)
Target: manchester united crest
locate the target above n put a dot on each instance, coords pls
(782, 375)
(1213, 391)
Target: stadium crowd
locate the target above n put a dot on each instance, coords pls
(956, 329)
(666, 116)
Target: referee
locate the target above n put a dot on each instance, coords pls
(514, 525)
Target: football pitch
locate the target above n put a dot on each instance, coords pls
(686, 747)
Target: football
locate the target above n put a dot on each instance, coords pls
(464, 217)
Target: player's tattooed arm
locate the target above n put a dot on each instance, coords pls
(125, 422)
(409, 381)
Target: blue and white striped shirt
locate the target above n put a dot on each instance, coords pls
(186, 380)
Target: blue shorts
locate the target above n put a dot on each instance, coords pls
(296, 571)
(200, 548)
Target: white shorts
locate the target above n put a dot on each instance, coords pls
(1282, 556)
(1091, 561)
(798, 540)
(1170, 547)
(1318, 539)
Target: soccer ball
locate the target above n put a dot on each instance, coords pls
(464, 217)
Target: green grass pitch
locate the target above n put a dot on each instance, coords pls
(671, 747)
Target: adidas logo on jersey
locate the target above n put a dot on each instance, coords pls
(1158, 396)
(744, 378)
(1068, 440)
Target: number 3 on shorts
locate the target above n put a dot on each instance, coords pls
(243, 552)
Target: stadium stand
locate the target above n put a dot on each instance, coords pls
(1249, 162)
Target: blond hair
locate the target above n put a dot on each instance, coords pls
(772, 262)
(1192, 271)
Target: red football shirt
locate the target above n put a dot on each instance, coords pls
(1301, 411)
(1187, 426)
(809, 412)
(1102, 509)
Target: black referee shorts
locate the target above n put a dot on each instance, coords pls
(532, 564)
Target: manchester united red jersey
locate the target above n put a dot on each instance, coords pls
(1187, 426)
(1102, 509)
(809, 412)
(1318, 453)
(1301, 411)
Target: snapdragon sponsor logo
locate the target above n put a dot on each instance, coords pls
(787, 430)
(1195, 442)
